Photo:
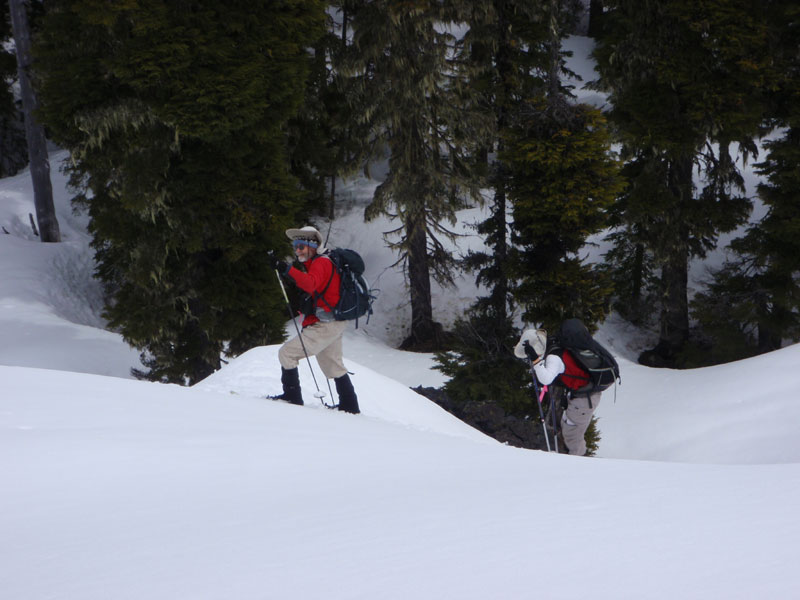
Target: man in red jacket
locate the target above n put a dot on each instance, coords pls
(321, 334)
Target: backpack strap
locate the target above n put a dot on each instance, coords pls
(321, 295)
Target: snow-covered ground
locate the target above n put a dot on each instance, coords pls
(116, 488)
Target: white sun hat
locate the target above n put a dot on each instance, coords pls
(307, 233)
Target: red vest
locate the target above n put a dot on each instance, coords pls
(574, 377)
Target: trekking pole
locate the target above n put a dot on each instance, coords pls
(331, 405)
(539, 395)
(319, 394)
(555, 420)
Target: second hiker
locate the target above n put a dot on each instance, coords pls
(321, 334)
(555, 363)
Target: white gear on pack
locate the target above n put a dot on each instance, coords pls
(537, 338)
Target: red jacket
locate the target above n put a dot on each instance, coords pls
(319, 271)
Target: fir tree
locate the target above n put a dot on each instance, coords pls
(174, 113)
(563, 180)
(506, 46)
(325, 141)
(753, 303)
(686, 82)
(505, 49)
(630, 263)
(409, 93)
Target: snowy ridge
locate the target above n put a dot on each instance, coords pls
(254, 374)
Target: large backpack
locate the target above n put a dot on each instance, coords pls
(589, 354)
(355, 296)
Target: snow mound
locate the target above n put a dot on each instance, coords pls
(256, 373)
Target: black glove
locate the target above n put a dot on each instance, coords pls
(282, 267)
(529, 351)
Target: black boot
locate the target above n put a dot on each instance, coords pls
(348, 401)
(290, 378)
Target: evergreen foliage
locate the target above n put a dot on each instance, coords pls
(592, 438)
(516, 55)
(514, 49)
(174, 113)
(481, 367)
(630, 262)
(686, 80)
(563, 182)
(504, 49)
(408, 89)
(753, 303)
(325, 141)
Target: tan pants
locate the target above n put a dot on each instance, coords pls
(575, 421)
(323, 340)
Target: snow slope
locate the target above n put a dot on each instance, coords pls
(49, 303)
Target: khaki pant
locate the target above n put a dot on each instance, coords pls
(575, 421)
(323, 340)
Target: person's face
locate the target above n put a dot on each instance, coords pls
(303, 251)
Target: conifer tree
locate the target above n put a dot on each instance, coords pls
(563, 180)
(520, 43)
(753, 303)
(686, 83)
(505, 47)
(631, 263)
(409, 93)
(325, 141)
(175, 113)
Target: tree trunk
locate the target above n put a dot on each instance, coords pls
(205, 356)
(332, 205)
(424, 336)
(505, 68)
(554, 74)
(595, 18)
(34, 133)
(638, 274)
(675, 307)
(674, 273)
(500, 210)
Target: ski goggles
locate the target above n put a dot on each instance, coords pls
(304, 243)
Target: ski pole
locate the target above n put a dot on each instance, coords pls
(538, 396)
(319, 394)
(555, 420)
